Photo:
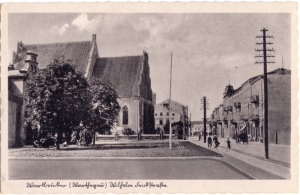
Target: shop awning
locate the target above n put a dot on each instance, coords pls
(243, 128)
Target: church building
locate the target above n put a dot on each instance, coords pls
(128, 75)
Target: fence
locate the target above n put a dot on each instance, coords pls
(129, 138)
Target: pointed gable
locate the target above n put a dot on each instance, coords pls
(76, 53)
(123, 73)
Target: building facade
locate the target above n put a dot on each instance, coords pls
(243, 109)
(128, 75)
(162, 114)
(198, 127)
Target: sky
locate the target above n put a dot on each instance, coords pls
(210, 50)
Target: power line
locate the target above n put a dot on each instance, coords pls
(265, 61)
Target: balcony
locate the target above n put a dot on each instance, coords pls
(229, 108)
(254, 99)
(225, 122)
(232, 122)
(244, 117)
(253, 117)
(237, 105)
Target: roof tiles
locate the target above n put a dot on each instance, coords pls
(77, 53)
(122, 73)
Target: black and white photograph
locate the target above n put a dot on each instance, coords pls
(169, 99)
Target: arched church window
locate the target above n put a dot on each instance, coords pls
(125, 115)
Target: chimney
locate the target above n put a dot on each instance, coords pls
(30, 62)
(94, 37)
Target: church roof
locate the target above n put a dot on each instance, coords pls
(122, 73)
(75, 52)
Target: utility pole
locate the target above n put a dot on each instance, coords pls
(204, 106)
(185, 124)
(265, 62)
(170, 122)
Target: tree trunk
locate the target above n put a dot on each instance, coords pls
(57, 144)
(59, 139)
(94, 141)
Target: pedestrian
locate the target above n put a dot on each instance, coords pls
(199, 136)
(55, 138)
(228, 144)
(209, 141)
(36, 143)
(216, 141)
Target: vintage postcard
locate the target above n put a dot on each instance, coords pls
(149, 98)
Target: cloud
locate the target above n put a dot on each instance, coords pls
(60, 30)
(84, 24)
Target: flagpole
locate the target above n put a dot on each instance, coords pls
(170, 129)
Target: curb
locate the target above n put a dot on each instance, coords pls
(254, 156)
(261, 158)
(119, 158)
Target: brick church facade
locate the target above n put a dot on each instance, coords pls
(129, 76)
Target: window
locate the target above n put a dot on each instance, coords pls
(166, 105)
(173, 114)
(167, 121)
(161, 114)
(125, 115)
(167, 114)
(160, 121)
(155, 114)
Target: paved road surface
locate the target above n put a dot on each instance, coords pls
(205, 168)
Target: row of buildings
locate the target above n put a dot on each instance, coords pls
(242, 109)
(128, 75)
(197, 127)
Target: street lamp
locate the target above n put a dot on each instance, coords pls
(170, 128)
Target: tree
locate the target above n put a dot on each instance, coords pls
(176, 126)
(105, 107)
(58, 98)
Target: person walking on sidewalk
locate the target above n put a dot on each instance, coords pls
(199, 136)
(228, 144)
(216, 141)
(209, 141)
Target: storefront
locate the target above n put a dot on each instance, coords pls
(254, 129)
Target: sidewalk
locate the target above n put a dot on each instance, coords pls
(253, 154)
(277, 153)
